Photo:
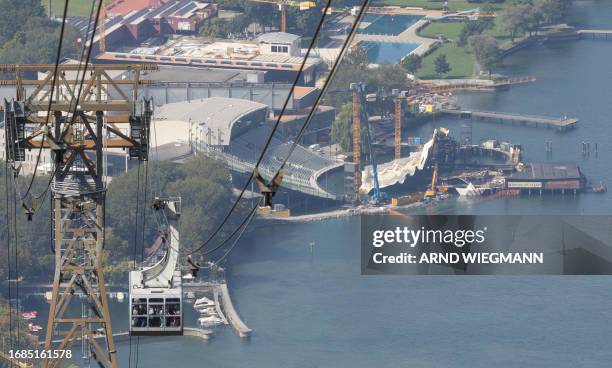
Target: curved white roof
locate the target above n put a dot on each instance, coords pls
(214, 112)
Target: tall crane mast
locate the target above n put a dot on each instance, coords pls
(356, 130)
(360, 100)
(77, 132)
(102, 40)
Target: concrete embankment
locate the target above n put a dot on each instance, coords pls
(335, 214)
(230, 312)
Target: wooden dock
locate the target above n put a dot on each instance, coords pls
(560, 124)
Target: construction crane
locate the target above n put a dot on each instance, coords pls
(77, 131)
(399, 100)
(360, 100)
(432, 191)
(435, 189)
(282, 6)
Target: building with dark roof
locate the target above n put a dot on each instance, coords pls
(558, 176)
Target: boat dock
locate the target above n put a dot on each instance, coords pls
(218, 306)
(453, 85)
(560, 124)
(598, 34)
(232, 316)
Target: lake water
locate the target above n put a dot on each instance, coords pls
(387, 52)
(377, 24)
(313, 309)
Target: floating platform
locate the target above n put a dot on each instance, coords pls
(561, 124)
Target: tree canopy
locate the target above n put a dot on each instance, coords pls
(28, 36)
(442, 66)
(486, 51)
(202, 182)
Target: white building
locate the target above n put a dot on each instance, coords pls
(279, 43)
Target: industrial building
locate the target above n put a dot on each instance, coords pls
(277, 54)
(130, 23)
(178, 84)
(549, 177)
(236, 130)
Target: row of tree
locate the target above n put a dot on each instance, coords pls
(28, 36)
(302, 22)
(203, 184)
(530, 15)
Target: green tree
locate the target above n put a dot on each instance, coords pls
(28, 36)
(201, 182)
(341, 127)
(441, 65)
(386, 77)
(412, 63)
(515, 19)
(472, 28)
(352, 67)
(485, 49)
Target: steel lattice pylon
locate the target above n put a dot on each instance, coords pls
(77, 135)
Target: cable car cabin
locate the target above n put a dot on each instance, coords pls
(155, 290)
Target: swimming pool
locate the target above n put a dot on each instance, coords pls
(387, 52)
(393, 25)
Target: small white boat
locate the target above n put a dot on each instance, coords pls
(210, 321)
(203, 302)
(469, 191)
(190, 295)
(30, 315)
(34, 328)
(207, 310)
(120, 296)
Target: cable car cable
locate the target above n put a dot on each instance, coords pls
(78, 97)
(334, 69)
(275, 127)
(55, 70)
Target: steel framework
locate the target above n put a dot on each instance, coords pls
(77, 132)
(356, 128)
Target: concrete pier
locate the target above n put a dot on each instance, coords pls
(218, 306)
(599, 34)
(230, 312)
(561, 124)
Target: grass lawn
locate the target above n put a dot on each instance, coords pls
(450, 30)
(75, 8)
(460, 60)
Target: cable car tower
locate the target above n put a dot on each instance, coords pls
(77, 131)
